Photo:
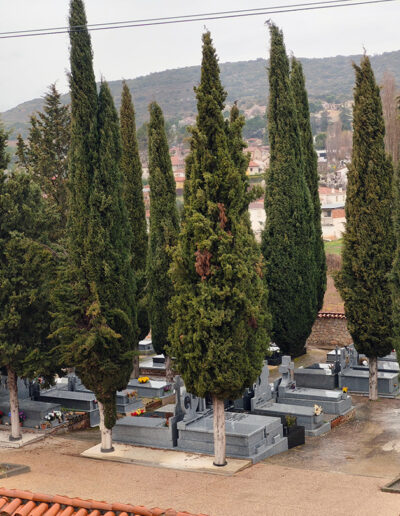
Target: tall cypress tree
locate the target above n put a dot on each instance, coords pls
(83, 146)
(131, 169)
(164, 229)
(219, 329)
(395, 276)
(369, 239)
(288, 238)
(95, 300)
(311, 174)
(21, 152)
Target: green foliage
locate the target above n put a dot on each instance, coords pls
(288, 238)
(47, 152)
(164, 228)
(369, 239)
(324, 121)
(27, 268)
(131, 169)
(219, 333)
(94, 303)
(254, 127)
(4, 156)
(311, 176)
(395, 275)
(21, 153)
(320, 141)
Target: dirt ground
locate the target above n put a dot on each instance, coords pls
(339, 473)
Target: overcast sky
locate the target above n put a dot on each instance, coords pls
(29, 65)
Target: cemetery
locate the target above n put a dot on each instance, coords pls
(346, 368)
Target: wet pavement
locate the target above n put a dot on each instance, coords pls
(368, 445)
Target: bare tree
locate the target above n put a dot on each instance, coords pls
(389, 95)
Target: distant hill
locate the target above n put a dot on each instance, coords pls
(330, 78)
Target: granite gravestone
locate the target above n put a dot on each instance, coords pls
(263, 404)
(331, 401)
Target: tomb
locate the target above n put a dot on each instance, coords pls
(34, 412)
(146, 347)
(74, 400)
(318, 376)
(331, 401)
(155, 429)
(263, 404)
(128, 402)
(247, 435)
(151, 388)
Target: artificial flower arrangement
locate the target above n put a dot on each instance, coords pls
(138, 412)
(143, 379)
(317, 410)
(131, 394)
(345, 389)
(21, 415)
(167, 388)
(52, 416)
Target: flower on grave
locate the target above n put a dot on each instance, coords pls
(1, 413)
(143, 379)
(137, 412)
(22, 416)
(167, 388)
(317, 410)
(131, 394)
(345, 389)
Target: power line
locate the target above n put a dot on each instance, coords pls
(329, 4)
(221, 13)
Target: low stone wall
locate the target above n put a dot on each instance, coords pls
(329, 330)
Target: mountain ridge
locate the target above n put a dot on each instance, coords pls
(246, 81)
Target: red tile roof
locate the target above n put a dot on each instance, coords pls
(14, 502)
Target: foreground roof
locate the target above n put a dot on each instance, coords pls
(14, 502)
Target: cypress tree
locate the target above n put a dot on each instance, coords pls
(22, 152)
(395, 276)
(131, 169)
(164, 229)
(369, 239)
(311, 174)
(95, 317)
(27, 267)
(219, 330)
(288, 238)
(83, 145)
(4, 155)
(47, 153)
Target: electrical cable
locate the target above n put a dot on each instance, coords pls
(187, 18)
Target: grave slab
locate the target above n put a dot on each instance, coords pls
(75, 400)
(171, 459)
(151, 389)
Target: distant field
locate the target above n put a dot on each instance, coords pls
(334, 247)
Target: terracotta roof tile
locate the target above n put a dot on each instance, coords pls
(14, 502)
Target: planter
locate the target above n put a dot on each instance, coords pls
(295, 435)
(43, 426)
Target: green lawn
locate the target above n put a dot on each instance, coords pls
(334, 247)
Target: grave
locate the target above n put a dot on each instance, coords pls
(35, 412)
(319, 376)
(74, 400)
(247, 435)
(263, 404)
(152, 388)
(155, 429)
(331, 401)
(146, 347)
(127, 402)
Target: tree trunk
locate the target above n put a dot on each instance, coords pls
(136, 370)
(14, 406)
(219, 433)
(169, 375)
(373, 378)
(106, 433)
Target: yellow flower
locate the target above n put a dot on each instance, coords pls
(345, 389)
(143, 379)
